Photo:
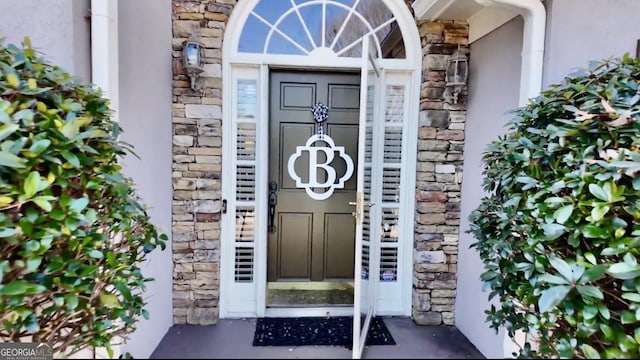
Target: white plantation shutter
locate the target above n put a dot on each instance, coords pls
(383, 173)
(244, 264)
(244, 206)
(245, 222)
(388, 264)
(245, 181)
(389, 220)
(389, 217)
(239, 250)
(246, 141)
(391, 185)
(392, 144)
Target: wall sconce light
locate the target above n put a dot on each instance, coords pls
(457, 73)
(193, 60)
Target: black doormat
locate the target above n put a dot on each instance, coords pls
(300, 331)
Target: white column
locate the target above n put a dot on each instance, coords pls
(104, 50)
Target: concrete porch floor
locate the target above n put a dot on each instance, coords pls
(233, 338)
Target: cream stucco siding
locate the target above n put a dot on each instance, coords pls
(493, 90)
(59, 29)
(493, 86)
(579, 31)
(145, 115)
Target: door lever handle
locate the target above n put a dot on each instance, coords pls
(354, 203)
(273, 201)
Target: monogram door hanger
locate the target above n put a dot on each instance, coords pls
(320, 143)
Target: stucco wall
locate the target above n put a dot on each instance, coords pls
(81, 38)
(145, 115)
(57, 28)
(493, 90)
(582, 30)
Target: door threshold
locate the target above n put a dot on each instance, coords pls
(310, 285)
(311, 311)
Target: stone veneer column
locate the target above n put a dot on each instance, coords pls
(439, 174)
(197, 164)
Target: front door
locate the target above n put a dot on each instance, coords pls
(312, 162)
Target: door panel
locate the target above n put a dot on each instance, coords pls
(344, 97)
(296, 96)
(290, 137)
(294, 244)
(344, 135)
(339, 230)
(317, 245)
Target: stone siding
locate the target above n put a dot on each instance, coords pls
(438, 176)
(197, 164)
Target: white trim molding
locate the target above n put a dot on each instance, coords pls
(535, 20)
(486, 20)
(493, 14)
(431, 9)
(104, 51)
(104, 74)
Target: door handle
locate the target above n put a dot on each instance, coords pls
(368, 204)
(360, 204)
(273, 201)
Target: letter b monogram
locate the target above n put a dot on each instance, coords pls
(314, 167)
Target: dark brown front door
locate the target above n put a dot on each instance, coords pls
(309, 239)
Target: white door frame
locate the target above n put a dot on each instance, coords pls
(256, 67)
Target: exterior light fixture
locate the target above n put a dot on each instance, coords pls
(193, 60)
(457, 73)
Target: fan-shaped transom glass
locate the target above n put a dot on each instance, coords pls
(301, 27)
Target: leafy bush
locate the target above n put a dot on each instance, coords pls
(72, 230)
(559, 231)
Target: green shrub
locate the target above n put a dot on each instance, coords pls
(72, 230)
(559, 229)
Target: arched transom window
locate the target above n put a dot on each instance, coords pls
(302, 27)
